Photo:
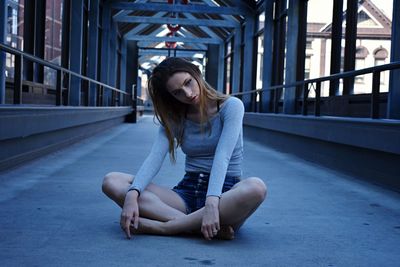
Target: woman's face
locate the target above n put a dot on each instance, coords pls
(184, 88)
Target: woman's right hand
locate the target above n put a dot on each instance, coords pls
(130, 212)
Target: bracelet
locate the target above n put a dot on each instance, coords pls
(137, 190)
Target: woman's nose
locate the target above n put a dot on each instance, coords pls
(188, 92)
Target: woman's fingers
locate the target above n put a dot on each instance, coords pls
(210, 231)
(125, 223)
(127, 227)
(135, 220)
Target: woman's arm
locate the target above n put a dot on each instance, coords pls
(232, 119)
(152, 163)
(149, 169)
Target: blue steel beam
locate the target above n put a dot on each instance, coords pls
(237, 39)
(221, 68)
(75, 56)
(3, 34)
(248, 62)
(267, 57)
(208, 30)
(160, 39)
(105, 50)
(393, 109)
(180, 21)
(291, 56)
(203, 9)
(164, 52)
(93, 51)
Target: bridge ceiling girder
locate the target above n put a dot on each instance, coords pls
(192, 8)
(199, 23)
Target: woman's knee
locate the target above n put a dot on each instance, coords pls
(107, 181)
(255, 189)
(110, 180)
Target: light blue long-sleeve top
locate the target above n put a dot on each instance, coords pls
(219, 153)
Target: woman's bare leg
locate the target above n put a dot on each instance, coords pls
(235, 207)
(156, 202)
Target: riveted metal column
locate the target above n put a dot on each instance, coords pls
(278, 54)
(212, 65)
(105, 50)
(3, 36)
(123, 63)
(93, 49)
(267, 56)
(336, 50)
(301, 45)
(40, 26)
(294, 13)
(65, 51)
(249, 62)
(393, 109)
(221, 68)
(350, 48)
(113, 55)
(75, 58)
(131, 74)
(237, 39)
(29, 37)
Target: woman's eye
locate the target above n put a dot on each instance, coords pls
(176, 92)
(188, 81)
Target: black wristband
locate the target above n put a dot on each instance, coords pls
(137, 190)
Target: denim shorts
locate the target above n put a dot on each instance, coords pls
(193, 189)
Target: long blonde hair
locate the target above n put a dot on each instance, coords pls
(170, 112)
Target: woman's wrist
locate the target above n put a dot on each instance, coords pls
(212, 201)
(134, 192)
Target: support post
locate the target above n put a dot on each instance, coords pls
(29, 37)
(393, 109)
(93, 49)
(18, 80)
(336, 50)
(105, 50)
(267, 56)
(40, 27)
(237, 39)
(212, 65)
(350, 47)
(248, 64)
(75, 58)
(131, 77)
(289, 104)
(3, 36)
(278, 60)
(221, 68)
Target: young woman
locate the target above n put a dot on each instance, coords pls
(211, 198)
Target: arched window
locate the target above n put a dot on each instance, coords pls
(380, 56)
(361, 54)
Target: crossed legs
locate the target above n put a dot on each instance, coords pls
(162, 211)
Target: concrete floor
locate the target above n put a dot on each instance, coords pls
(53, 213)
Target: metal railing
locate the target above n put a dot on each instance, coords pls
(63, 77)
(306, 86)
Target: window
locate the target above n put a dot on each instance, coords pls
(361, 54)
(380, 55)
(307, 67)
(53, 33)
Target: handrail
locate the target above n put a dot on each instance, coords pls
(337, 76)
(333, 79)
(14, 51)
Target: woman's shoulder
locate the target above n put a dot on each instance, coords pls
(232, 103)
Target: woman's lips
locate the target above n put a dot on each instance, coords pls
(193, 98)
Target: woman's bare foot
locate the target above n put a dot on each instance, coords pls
(226, 233)
(148, 226)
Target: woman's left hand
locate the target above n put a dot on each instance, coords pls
(210, 225)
